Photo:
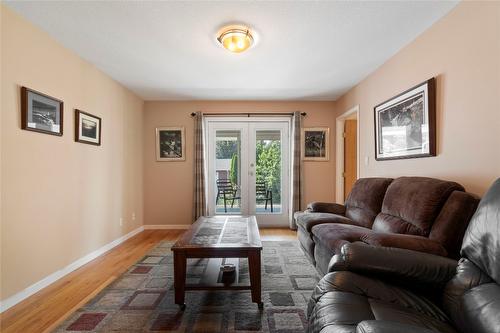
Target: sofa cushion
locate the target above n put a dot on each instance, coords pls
(365, 200)
(326, 207)
(343, 299)
(307, 244)
(333, 235)
(329, 239)
(468, 276)
(482, 308)
(411, 204)
(451, 223)
(403, 241)
(481, 243)
(385, 326)
(307, 220)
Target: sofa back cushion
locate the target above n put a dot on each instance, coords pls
(449, 227)
(411, 204)
(365, 200)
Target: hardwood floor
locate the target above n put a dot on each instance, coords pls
(43, 311)
(273, 234)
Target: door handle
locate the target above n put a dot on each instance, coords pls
(250, 173)
(252, 165)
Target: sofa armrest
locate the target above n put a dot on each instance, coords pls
(405, 266)
(402, 241)
(384, 326)
(326, 207)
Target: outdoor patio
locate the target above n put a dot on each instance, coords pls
(259, 209)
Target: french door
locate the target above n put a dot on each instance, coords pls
(248, 168)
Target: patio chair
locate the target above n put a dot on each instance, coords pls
(227, 191)
(263, 193)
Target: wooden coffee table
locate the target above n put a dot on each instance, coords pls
(223, 239)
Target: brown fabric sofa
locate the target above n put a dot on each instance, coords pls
(416, 213)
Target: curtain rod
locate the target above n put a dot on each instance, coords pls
(251, 114)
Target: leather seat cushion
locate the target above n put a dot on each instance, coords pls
(481, 243)
(308, 220)
(344, 299)
(481, 308)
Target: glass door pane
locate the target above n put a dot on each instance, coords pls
(269, 172)
(227, 167)
(227, 172)
(268, 167)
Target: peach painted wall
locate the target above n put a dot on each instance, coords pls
(462, 51)
(60, 199)
(168, 185)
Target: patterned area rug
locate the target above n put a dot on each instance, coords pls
(142, 299)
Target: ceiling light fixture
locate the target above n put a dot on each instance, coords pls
(236, 38)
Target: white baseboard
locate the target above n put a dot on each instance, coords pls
(34, 288)
(166, 226)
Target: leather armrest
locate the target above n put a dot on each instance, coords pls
(405, 266)
(326, 207)
(384, 326)
(409, 242)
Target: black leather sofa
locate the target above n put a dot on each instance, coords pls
(383, 289)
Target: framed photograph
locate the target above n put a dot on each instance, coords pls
(315, 144)
(405, 125)
(87, 128)
(170, 144)
(41, 113)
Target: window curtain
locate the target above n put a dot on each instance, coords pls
(200, 197)
(296, 197)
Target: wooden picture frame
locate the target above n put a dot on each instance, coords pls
(405, 125)
(87, 128)
(41, 113)
(170, 144)
(315, 143)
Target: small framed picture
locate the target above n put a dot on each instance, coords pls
(405, 125)
(315, 144)
(41, 113)
(170, 144)
(87, 128)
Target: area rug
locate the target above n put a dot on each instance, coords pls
(142, 299)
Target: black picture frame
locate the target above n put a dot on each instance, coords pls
(170, 144)
(87, 128)
(405, 125)
(41, 113)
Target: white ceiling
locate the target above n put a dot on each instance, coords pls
(167, 50)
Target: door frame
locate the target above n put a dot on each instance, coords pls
(339, 151)
(245, 171)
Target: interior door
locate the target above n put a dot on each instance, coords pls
(248, 169)
(350, 155)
